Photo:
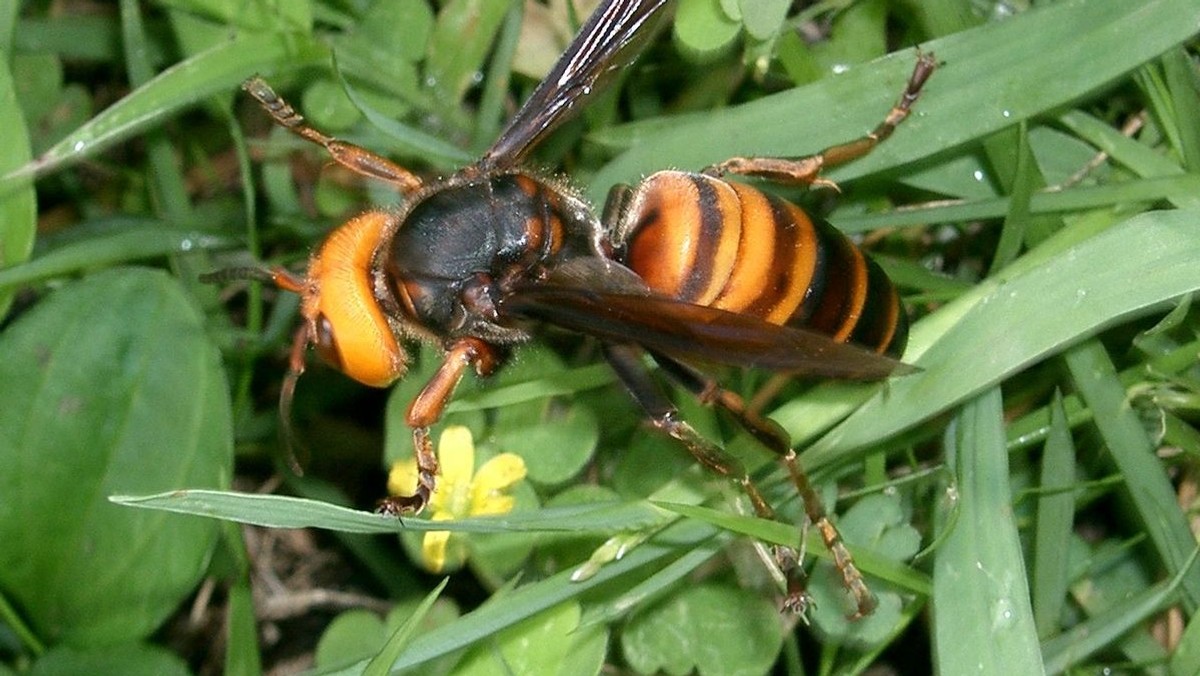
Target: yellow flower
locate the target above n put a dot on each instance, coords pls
(461, 492)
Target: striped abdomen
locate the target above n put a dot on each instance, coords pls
(726, 245)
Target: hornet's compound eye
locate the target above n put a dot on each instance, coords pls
(361, 345)
(325, 343)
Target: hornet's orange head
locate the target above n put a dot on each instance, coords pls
(345, 322)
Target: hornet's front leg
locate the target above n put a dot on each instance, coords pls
(355, 158)
(426, 410)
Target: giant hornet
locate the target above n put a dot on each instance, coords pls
(685, 267)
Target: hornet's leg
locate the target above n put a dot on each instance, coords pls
(355, 158)
(806, 171)
(427, 409)
(663, 414)
(774, 438)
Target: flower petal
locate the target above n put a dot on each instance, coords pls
(433, 549)
(493, 504)
(402, 478)
(501, 472)
(456, 453)
(496, 475)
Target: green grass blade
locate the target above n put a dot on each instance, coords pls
(219, 69)
(983, 622)
(1099, 632)
(1055, 515)
(380, 665)
(1138, 157)
(655, 586)
(1178, 189)
(570, 381)
(1134, 454)
(277, 511)
(1180, 74)
(407, 137)
(1025, 180)
(1033, 427)
(868, 562)
(241, 632)
(1186, 660)
(166, 176)
(18, 201)
(19, 626)
(139, 240)
(655, 554)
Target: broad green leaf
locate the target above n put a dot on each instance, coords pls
(52, 109)
(407, 137)
(383, 49)
(539, 386)
(649, 461)
(130, 659)
(537, 645)
(708, 629)
(81, 37)
(326, 107)
(555, 444)
(858, 32)
(350, 637)
(111, 386)
(763, 18)
(356, 635)
(702, 30)
(587, 653)
(394, 28)
(443, 612)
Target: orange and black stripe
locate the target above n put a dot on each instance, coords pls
(712, 242)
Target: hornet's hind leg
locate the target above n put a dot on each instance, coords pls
(774, 438)
(625, 360)
(806, 171)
